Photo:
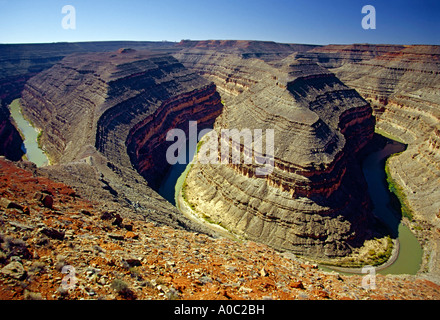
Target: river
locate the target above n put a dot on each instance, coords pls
(410, 253)
(30, 134)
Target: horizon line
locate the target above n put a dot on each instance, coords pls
(200, 40)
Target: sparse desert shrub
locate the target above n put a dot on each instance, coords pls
(15, 247)
(122, 288)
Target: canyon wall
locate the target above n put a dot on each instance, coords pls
(98, 107)
(20, 62)
(313, 203)
(104, 118)
(404, 88)
(402, 83)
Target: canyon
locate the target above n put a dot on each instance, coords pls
(105, 108)
(302, 206)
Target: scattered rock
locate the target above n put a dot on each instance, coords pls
(107, 215)
(263, 272)
(26, 210)
(8, 204)
(131, 235)
(116, 236)
(28, 295)
(245, 290)
(45, 199)
(296, 285)
(53, 233)
(321, 294)
(163, 263)
(14, 270)
(117, 221)
(86, 212)
(133, 262)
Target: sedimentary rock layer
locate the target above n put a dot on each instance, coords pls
(106, 114)
(20, 62)
(313, 203)
(232, 65)
(402, 83)
(403, 86)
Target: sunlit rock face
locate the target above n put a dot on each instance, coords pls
(313, 202)
(104, 119)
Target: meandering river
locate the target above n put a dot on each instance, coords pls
(30, 135)
(410, 252)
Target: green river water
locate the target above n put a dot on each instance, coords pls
(410, 253)
(30, 135)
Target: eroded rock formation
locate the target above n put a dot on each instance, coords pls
(400, 82)
(313, 203)
(104, 115)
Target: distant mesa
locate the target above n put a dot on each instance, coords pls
(126, 50)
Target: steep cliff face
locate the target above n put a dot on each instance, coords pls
(103, 115)
(20, 62)
(402, 84)
(403, 87)
(313, 202)
(10, 139)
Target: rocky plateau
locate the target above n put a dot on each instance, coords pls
(104, 110)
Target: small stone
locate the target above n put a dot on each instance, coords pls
(38, 196)
(86, 212)
(263, 272)
(321, 294)
(26, 210)
(296, 285)
(245, 290)
(131, 235)
(14, 270)
(47, 201)
(133, 262)
(303, 296)
(53, 233)
(7, 204)
(116, 236)
(106, 215)
(28, 295)
(117, 221)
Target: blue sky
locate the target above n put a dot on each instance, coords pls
(289, 21)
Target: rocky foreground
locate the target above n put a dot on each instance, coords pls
(47, 228)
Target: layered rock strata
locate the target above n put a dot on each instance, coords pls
(402, 84)
(313, 202)
(234, 66)
(20, 62)
(103, 115)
